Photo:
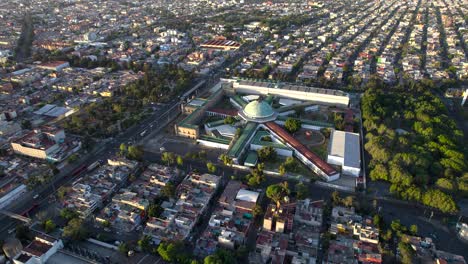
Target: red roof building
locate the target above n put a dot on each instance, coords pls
(304, 154)
(221, 44)
(54, 65)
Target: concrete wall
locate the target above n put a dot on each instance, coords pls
(335, 160)
(55, 247)
(335, 186)
(351, 171)
(212, 144)
(102, 244)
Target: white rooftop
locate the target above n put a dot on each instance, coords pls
(346, 145)
(288, 102)
(226, 130)
(251, 97)
(196, 102)
(247, 196)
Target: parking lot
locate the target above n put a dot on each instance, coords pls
(179, 146)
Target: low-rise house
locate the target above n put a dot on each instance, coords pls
(290, 234)
(39, 250)
(48, 143)
(178, 219)
(356, 238)
(309, 213)
(231, 221)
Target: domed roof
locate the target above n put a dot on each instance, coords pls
(258, 109)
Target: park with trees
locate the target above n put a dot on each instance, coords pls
(110, 115)
(415, 146)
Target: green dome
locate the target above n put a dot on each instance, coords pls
(258, 109)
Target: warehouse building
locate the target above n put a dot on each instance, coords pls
(344, 151)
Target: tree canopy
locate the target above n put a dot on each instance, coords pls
(292, 125)
(170, 252)
(221, 256)
(256, 176)
(229, 120)
(302, 192)
(68, 214)
(414, 145)
(225, 159)
(168, 157)
(267, 153)
(135, 152)
(277, 192)
(49, 225)
(74, 230)
(211, 167)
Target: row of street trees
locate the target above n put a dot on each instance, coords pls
(133, 152)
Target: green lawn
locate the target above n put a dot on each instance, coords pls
(301, 170)
(322, 150)
(274, 165)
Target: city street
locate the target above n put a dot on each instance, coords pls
(102, 151)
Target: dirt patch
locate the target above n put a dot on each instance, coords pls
(310, 138)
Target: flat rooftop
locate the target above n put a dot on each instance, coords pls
(288, 86)
(346, 145)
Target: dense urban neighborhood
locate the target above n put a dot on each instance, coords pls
(233, 131)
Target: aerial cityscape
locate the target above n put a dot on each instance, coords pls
(233, 131)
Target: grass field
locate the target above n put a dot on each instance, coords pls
(301, 169)
(321, 150)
